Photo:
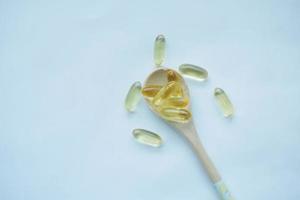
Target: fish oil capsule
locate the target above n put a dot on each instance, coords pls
(151, 90)
(223, 102)
(172, 76)
(164, 93)
(159, 50)
(147, 137)
(177, 91)
(176, 114)
(178, 102)
(193, 71)
(133, 96)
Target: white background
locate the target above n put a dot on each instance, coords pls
(66, 66)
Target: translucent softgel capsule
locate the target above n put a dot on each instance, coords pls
(172, 76)
(176, 114)
(177, 91)
(223, 102)
(159, 50)
(193, 71)
(164, 93)
(151, 90)
(178, 102)
(133, 96)
(147, 137)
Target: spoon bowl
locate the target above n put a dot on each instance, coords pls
(159, 77)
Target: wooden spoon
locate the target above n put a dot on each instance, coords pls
(159, 77)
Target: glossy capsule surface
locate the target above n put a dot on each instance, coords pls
(193, 71)
(164, 93)
(177, 91)
(176, 114)
(151, 90)
(159, 50)
(133, 96)
(147, 137)
(172, 76)
(224, 102)
(177, 102)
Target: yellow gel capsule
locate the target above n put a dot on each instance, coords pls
(133, 96)
(224, 102)
(176, 114)
(159, 50)
(172, 76)
(177, 91)
(179, 102)
(147, 137)
(193, 71)
(151, 90)
(164, 93)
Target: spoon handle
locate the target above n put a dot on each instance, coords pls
(204, 158)
(212, 171)
(208, 165)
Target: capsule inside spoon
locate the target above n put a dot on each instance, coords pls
(167, 95)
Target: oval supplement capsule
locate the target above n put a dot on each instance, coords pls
(176, 114)
(133, 96)
(150, 91)
(147, 137)
(164, 93)
(172, 76)
(193, 71)
(178, 102)
(159, 50)
(224, 102)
